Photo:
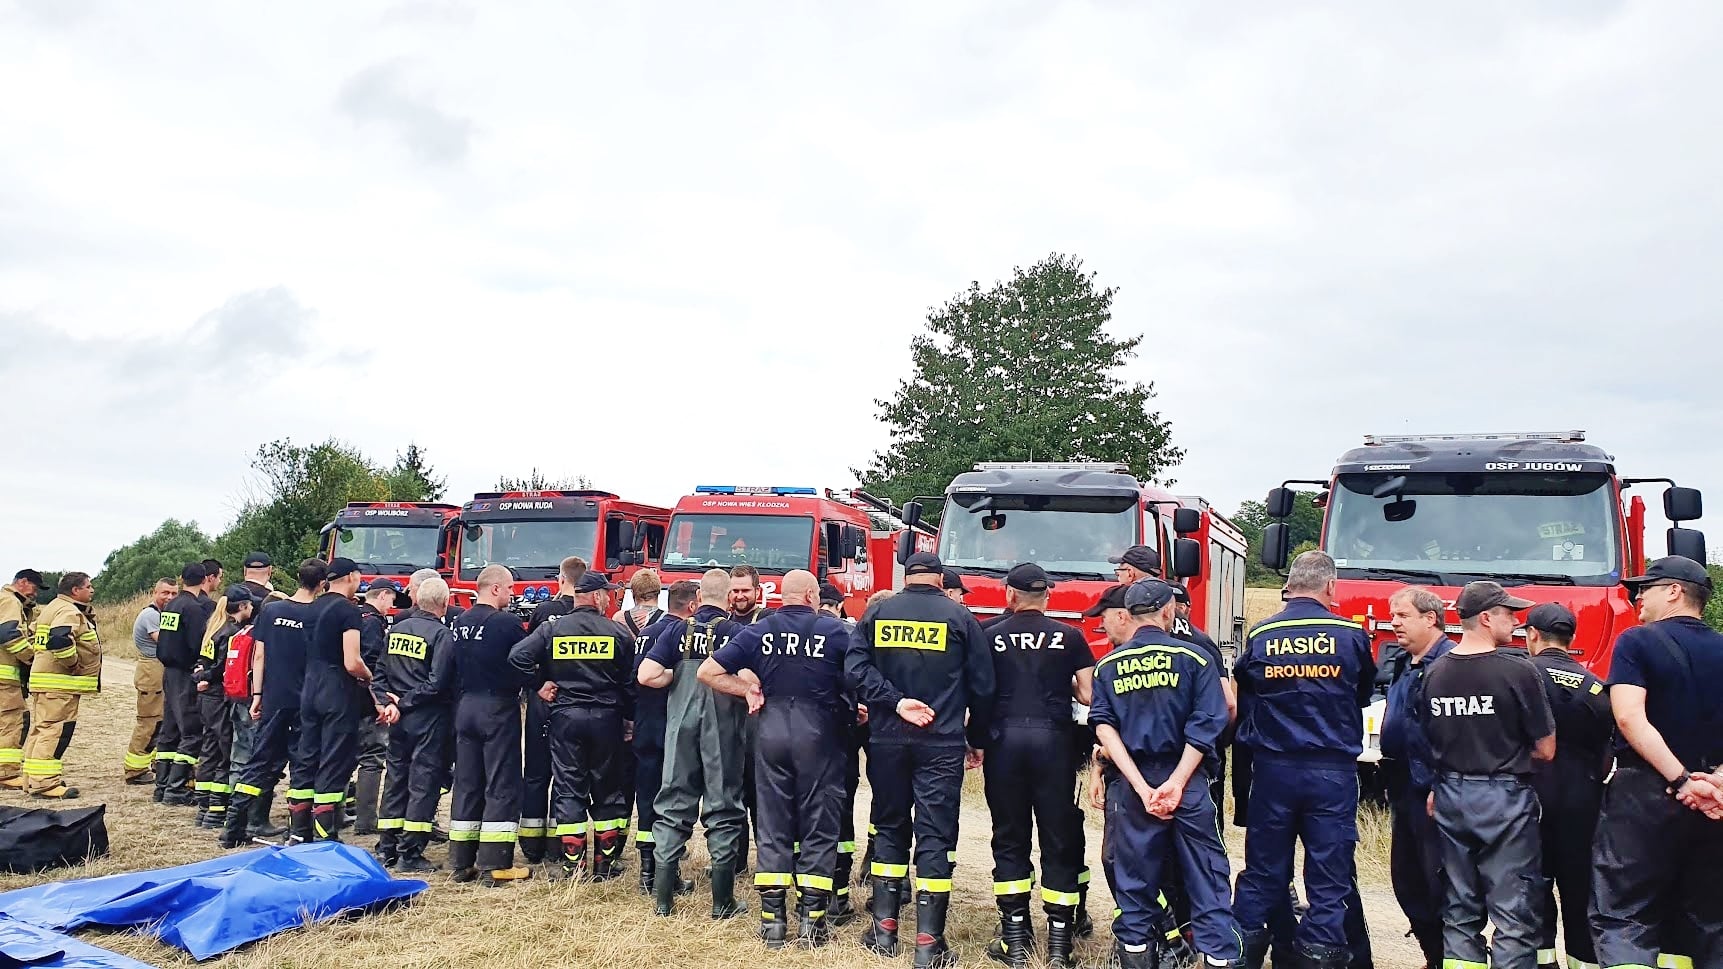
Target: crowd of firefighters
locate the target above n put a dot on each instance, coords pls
(1519, 777)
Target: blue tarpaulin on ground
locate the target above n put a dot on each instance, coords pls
(212, 906)
(31, 946)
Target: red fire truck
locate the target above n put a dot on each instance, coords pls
(1542, 512)
(1069, 518)
(531, 532)
(846, 538)
(391, 539)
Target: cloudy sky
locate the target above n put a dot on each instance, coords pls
(570, 235)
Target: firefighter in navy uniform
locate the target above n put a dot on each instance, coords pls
(841, 910)
(1308, 674)
(649, 725)
(924, 657)
(533, 837)
(335, 697)
(588, 661)
(797, 694)
(417, 673)
(1159, 712)
(66, 668)
(484, 806)
(1570, 788)
(215, 744)
(177, 647)
(17, 630)
(281, 633)
(1038, 665)
(1655, 898)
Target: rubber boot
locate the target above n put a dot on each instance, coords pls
(233, 830)
(201, 800)
(724, 904)
(931, 952)
(215, 817)
(607, 856)
(370, 788)
(1325, 956)
(1061, 934)
(413, 855)
(573, 856)
(350, 805)
(840, 911)
(1015, 935)
(1174, 951)
(1082, 927)
(261, 826)
(1255, 948)
(1134, 957)
(389, 848)
(664, 891)
(774, 917)
(179, 792)
(326, 822)
(299, 822)
(648, 864)
(163, 768)
(813, 908)
(880, 937)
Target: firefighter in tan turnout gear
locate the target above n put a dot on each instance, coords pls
(67, 665)
(17, 615)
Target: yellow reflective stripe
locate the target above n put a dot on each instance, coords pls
(1021, 886)
(136, 761)
(1155, 648)
(70, 652)
(1462, 964)
(643, 837)
(933, 885)
(846, 847)
(1668, 961)
(416, 827)
(328, 798)
(818, 882)
(496, 837)
(301, 794)
(41, 768)
(186, 759)
(1630, 965)
(200, 786)
(882, 870)
(18, 645)
(615, 824)
(1052, 897)
(1083, 877)
(11, 755)
(772, 879)
(9, 674)
(1573, 963)
(562, 831)
(871, 830)
(391, 824)
(221, 788)
(1324, 621)
(796, 848)
(62, 683)
(248, 790)
(1546, 957)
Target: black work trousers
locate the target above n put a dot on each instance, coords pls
(1492, 863)
(181, 731)
(586, 755)
(648, 749)
(484, 808)
(215, 748)
(1415, 869)
(916, 790)
(1028, 774)
(1654, 884)
(278, 750)
(799, 794)
(1570, 791)
(536, 821)
(329, 728)
(418, 750)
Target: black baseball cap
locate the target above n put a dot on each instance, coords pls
(237, 595)
(1181, 593)
(1112, 598)
(1138, 556)
(830, 595)
(952, 580)
(258, 560)
(193, 574)
(924, 563)
(1671, 568)
(1146, 596)
(595, 581)
(340, 568)
(1480, 597)
(32, 576)
(1552, 617)
(1029, 577)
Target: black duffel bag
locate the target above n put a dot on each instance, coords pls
(34, 839)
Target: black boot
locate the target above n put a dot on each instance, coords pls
(607, 856)
(299, 822)
(326, 821)
(1082, 926)
(1061, 925)
(648, 863)
(216, 818)
(1325, 956)
(261, 826)
(573, 855)
(813, 908)
(177, 794)
(664, 891)
(233, 831)
(1012, 941)
(163, 767)
(880, 937)
(370, 788)
(931, 952)
(774, 917)
(1173, 951)
(1130, 957)
(724, 904)
(413, 855)
(839, 910)
(1255, 948)
(200, 799)
(389, 848)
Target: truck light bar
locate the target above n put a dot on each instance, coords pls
(1562, 436)
(751, 490)
(1118, 466)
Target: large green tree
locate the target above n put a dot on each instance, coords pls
(302, 486)
(1305, 526)
(161, 554)
(413, 479)
(1024, 370)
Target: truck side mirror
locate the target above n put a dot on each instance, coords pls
(1275, 549)
(1687, 543)
(835, 548)
(1187, 558)
(1187, 520)
(911, 514)
(625, 536)
(1683, 505)
(326, 529)
(905, 546)
(1279, 503)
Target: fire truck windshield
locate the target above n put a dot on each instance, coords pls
(770, 543)
(531, 549)
(1067, 536)
(388, 549)
(1517, 528)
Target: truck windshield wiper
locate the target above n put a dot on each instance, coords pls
(385, 567)
(1068, 574)
(979, 570)
(1408, 575)
(1532, 578)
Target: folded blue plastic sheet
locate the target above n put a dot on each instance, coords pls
(31, 946)
(212, 906)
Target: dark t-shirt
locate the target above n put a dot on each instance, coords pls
(283, 628)
(1484, 712)
(1034, 661)
(796, 652)
(1678, 700)
(335, 615)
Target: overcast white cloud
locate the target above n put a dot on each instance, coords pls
(717, 227)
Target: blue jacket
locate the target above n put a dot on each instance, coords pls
(1403, 737)
(1160, 693)
(1308, 674)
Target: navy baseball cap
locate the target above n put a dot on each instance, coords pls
(595, 581)
(237, 595)
(1181, 593)
(258, 560)
(830, 595)
(1138, 556)
(954, 581)
(1552, 617)
(1029, 577)
(340, 568)
(924, 563)
(1146, 596)
(1676, 568)
(32, 576)
(1478, 598)
(1112, 598)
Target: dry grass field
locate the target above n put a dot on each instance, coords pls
(545, 924)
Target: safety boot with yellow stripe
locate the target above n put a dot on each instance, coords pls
(58, 792)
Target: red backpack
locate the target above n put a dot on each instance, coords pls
(236, 675)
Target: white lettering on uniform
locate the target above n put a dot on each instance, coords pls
(1035, 641)
(1462, 706)
(790, 644)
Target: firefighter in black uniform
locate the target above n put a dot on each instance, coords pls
(484, 807)
(842, 911)
(418, 673)
(924, 657)
(280, 631)
(1569, 788)
(367, 787)
(587, 661)
(336, 696)
(215, 744)
(1039, 664)
(798, 656)
(533, 835)
(650, 720)
(177, 647)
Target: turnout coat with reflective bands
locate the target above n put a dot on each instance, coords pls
(17, 632)
(68, 659)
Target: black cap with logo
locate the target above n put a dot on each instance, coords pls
(1028, 577)
(258, 560)
(1146, 596)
